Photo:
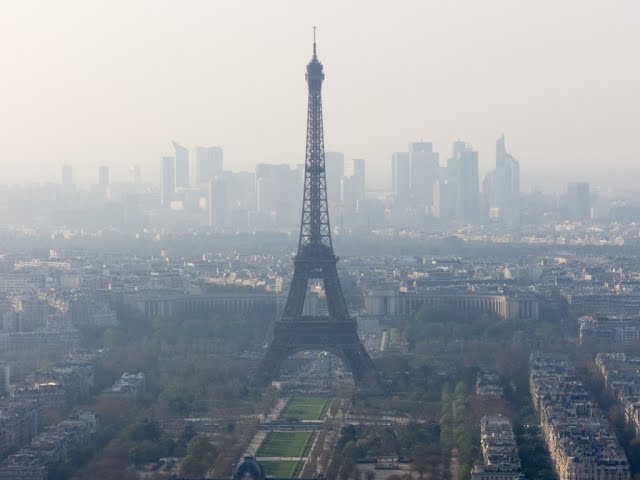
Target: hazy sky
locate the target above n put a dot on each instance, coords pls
(113, 82)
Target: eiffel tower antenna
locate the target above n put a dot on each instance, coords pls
(294, 332)
(314, 41)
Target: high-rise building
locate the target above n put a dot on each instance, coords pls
(507, 177)
(181, 168)
(217, 202)
(401, 176)
(578, 201)
(334, 164)
(445, 205)
(353, 188)
(462, 170)
(425, 172)
(103, 177)
(167, 167)
(208, 163)
(276, 187)
(67, 178)
(136, 175)
(469, 194)
(103, 181)
(241, 190)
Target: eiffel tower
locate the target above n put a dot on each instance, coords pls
(336, 333)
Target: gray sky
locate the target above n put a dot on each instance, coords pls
(91, 82)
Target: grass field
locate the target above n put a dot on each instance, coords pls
(306, 408)
(281, 468)
(286, 444)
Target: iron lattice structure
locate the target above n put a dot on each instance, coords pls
(294, 332)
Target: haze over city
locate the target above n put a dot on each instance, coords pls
(92, 83)
(333, 241)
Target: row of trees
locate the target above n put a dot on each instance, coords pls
(457, 431)
(432, 327)
(415, 443)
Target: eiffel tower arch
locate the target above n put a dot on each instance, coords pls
(336, 332)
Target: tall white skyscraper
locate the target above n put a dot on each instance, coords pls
(181, 168)
(353, 185)
(334, 168)
(277, 191)
(507, 177)
(425, 172)
(136, 175)
(103, 177)
(103, 181)
(462, 171)
(208, 163)
(401, 176)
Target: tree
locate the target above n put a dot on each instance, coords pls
(347, 468)
(200, 456)
(426, 460)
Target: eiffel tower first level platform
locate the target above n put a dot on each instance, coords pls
(337, 332)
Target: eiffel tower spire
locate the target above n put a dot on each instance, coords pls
(294, 332)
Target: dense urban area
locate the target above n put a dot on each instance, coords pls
(506, 342)
(292, 323)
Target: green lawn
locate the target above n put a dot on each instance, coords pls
(306, 408)
(286, 444)
(281, 468)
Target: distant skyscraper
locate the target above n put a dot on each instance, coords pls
(579, 201)
(67, 178)
(267, 194)
(181, 167)
(468, 185)
(334, 164)
(507, 177)
(217, 202)
(462, 170)
(276, 187)
(241, 190)
(425, 172)
(136, 175)
(401, 176)
(103, 177)
(208, 163)
(167, 167)
(103, 181)
(445, 203)
(354, 186)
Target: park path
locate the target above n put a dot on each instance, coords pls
(275, 412)
(256, 441)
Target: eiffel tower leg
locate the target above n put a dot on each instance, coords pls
(357, 361)
(269, 367)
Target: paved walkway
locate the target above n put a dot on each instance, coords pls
(275, 412)
(256, 441)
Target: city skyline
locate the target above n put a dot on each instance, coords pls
(562, 101)
(193, 294)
